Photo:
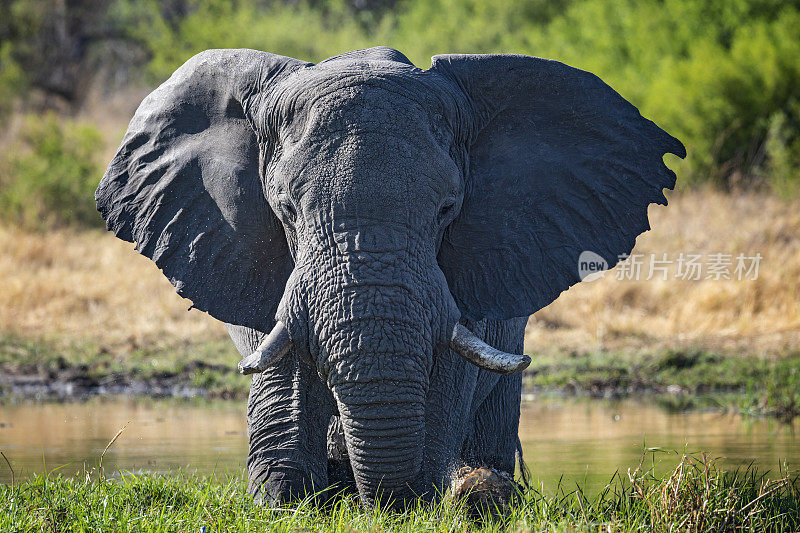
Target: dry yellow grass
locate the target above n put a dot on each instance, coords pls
(760, 317)
(91, 286)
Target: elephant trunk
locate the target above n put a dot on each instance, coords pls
(385, 442)
(373, 324)
(379, 374)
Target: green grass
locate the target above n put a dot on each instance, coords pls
(683, 379)
(680, 379)
(781, 395)
(209, 367)
(696, 496)
(695, 371)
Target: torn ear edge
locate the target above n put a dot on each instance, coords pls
(559, 163)
(185, 186)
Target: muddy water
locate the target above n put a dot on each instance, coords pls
(579, 441)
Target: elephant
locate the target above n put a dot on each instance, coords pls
(375, 236)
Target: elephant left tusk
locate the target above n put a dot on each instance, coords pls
(466, 344)
(270, 351)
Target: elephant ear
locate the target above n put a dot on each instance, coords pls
(559, 164)
(185, 186)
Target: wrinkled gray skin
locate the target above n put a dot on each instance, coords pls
(371, 205)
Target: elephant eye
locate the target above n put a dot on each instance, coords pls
(287, 209)
(446, 211)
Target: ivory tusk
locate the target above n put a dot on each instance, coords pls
(271, 350)
(466, 344)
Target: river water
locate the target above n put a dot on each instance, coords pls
(576, 441)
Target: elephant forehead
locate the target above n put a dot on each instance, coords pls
(372, 174)
(382, 94)
(369, 145)
(371, 107)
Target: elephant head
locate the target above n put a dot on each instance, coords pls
(363, 210)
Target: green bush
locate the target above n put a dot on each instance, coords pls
(721, 76)
(12, 80)
(782, 168)
(49, 175)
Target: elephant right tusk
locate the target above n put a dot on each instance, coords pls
(270, 351)
(466, 344)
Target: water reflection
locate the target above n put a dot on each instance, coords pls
(587, 441)
(160, 436)
(583, 441)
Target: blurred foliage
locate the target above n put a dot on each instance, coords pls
(722, 76)
(12, 79)
(780, 395)
(52, 44)
(48, 177)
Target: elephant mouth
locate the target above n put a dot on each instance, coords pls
(462, 341)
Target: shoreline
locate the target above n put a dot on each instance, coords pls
(77, 386)
(679, 379)
(64, 382)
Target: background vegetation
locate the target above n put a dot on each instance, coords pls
(721, 76)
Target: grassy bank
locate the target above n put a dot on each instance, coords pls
(69, 370)
(697, 496)
(681, 379)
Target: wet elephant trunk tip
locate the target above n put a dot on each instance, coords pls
(385, 444)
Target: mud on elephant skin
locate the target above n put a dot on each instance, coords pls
(375, 236)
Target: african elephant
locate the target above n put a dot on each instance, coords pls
(375, 236)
